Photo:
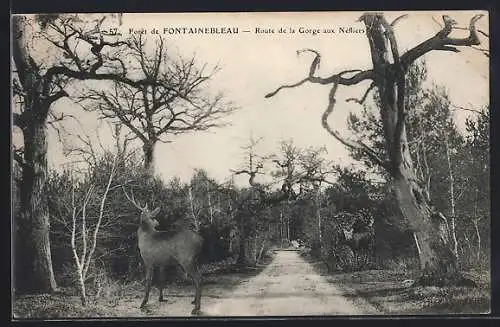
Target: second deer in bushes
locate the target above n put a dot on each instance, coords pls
(360, 238)
(161, 249)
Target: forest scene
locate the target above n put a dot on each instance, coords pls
(254, 173)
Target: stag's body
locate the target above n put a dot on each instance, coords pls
(361, 240)
(359, 236)
(160, 249)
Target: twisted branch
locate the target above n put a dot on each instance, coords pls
(363, 98)
(338, 78)
(441, 41)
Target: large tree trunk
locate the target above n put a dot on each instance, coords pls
(438, 264)
(32, 261)
(149, 151)
(437, 261)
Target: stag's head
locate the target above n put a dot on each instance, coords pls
(347, 233)
(147, 217)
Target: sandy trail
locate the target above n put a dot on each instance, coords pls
(288, 286)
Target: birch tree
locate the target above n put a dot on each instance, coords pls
(83, 255)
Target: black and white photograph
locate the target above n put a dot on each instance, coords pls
(250, 164)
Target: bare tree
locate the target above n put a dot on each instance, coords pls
(438, 264)
(176, 101)
(287, 163)
(83, 256)
(258, 197)
(249, 201)
(315, 171)
(37, 85)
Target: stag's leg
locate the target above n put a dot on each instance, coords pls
(149, 283)
(195, 275)
(161, 280)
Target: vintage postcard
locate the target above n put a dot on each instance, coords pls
(250, 164)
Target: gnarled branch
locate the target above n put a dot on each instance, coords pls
(441, 41)
(56, 96)
(356, 145)
(360, 76)
(398, 19)
(363, 98)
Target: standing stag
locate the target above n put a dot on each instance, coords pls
(359, 237)
(160, 249)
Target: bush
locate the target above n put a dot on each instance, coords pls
(216, 242)
(116, 250)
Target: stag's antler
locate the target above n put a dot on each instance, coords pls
(132, 200)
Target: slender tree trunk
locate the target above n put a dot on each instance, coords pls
(254, 250)
(191, 204)
(254, 240)
(210, 207)
(83, 292)
(422, 165)
(452, 198)
(281, 225)
(288, 227)
(260, 252)
(318, 214)
(231, 236)
(478, 237)
(416, 243)
(469, 248)
(427, 176)
(242, 249)
(475, 222)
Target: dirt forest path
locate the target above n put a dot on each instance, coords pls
(288, 286)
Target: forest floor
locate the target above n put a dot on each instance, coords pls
(287, 285)
(391, 292)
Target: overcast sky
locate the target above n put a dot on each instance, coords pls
(255, 64)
